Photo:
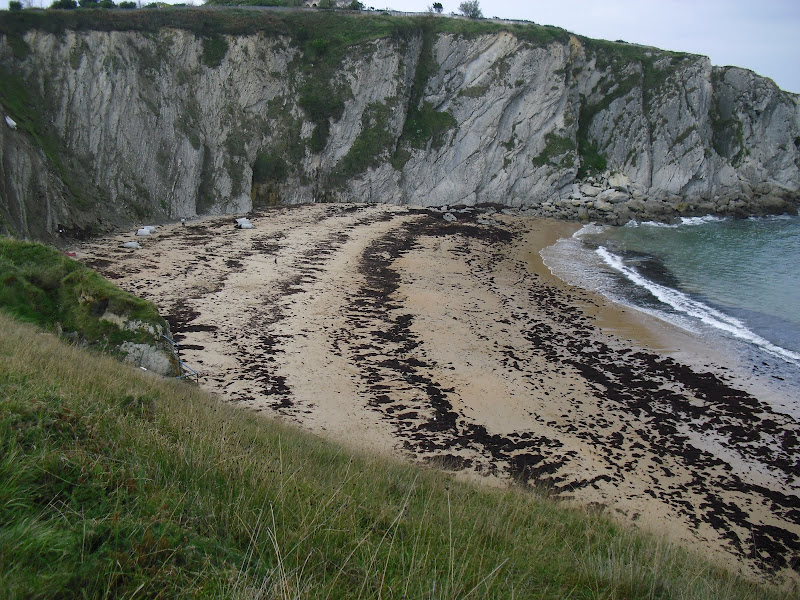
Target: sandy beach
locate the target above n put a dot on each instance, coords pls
(394, 331)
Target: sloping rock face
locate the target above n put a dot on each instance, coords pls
(155, 126)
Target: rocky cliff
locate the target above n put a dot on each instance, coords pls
(162, 119)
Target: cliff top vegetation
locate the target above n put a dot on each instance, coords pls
(350, 27)
(338, 29)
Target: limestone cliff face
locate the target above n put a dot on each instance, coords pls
(146, 127)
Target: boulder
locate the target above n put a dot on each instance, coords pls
(603, 205)
(590, 190)
(634, 205)
(620, 182)
(614, 196)
(151, 358)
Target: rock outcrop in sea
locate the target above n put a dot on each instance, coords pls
(143, 121)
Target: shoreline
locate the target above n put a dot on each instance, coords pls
(451, 344)
(728, 356)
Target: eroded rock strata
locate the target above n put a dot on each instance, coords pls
(169, 122)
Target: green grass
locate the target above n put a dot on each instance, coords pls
(117, 484)
(40, 285)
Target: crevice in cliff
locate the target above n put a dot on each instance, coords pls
(205, 191)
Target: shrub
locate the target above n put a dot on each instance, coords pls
(426, 124)
(555, 146)
(269, 167)
(321, 104)
(19, 47)
(214, 50)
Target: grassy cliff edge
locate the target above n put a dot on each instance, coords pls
(41, 285)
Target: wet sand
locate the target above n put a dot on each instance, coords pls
(451, 344)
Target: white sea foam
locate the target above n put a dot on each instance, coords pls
(701, 220)
(569, 260)
(685, 221)
(635, 223)
(686, 305)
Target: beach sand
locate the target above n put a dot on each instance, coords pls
(393, 331)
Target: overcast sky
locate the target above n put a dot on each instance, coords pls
(761, 35)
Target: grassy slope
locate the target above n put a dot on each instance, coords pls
(113, 483)
(40, 285)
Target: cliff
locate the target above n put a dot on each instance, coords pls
(157, 115)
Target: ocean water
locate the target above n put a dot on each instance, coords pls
(734, 282)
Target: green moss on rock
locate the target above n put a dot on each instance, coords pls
(555, 146)
(40, 285)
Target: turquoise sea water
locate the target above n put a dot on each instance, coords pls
(733, 281)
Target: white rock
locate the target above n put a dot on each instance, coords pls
(590, 190)
(613, 196)
(505, 95)
(620, 182)
(134, 245)
(603, 205)
(11, 122)
(143, 231)
(450, 217)
(147, 357)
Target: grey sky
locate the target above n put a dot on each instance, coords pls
(758, 35)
